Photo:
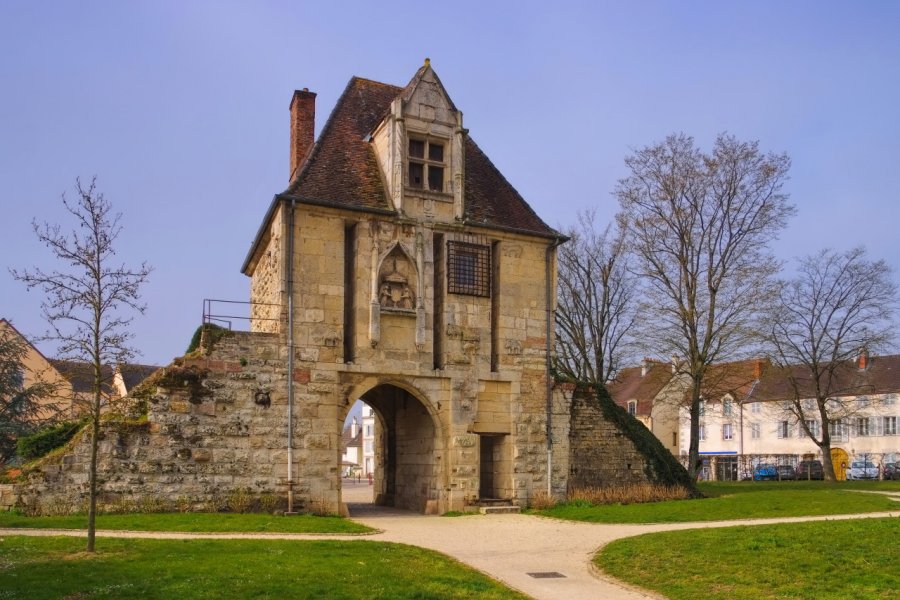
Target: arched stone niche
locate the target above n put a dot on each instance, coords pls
(397, 285)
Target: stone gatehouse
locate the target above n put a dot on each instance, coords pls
(399, 267)
(404, 270)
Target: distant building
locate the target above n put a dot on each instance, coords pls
(37, 368)
(351, 446)
(745, 413)
(74, 380)
(368, 440)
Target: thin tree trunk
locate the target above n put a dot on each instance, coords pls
(92, 501)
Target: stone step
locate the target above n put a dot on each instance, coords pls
(493, 502)
(498, 510)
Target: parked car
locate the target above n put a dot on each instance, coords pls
(862, 469)
(765, 471)
(786, 473)
(892, 470)
(810, 469)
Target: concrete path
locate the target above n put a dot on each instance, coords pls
(506, 547)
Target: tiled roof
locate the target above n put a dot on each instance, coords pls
(351, 441)
(757, 380)
(81, 375)
(736, 378)
(629, 384)
(133, 375)
(342, 169)
(882, 376)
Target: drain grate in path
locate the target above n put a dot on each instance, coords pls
(546, 575)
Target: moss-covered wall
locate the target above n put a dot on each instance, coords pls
(607, 446)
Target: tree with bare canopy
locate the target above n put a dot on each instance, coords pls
(87, 301)
(836, 311)
(595, 311)
(700, 225)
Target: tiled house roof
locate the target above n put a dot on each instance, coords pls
(342, 168)
(81, 375)
(133, 374)
(350, 441)
(629, 384)
(881, 376)
(737, 378)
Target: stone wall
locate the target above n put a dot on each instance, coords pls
(215, 424)
(608, 447)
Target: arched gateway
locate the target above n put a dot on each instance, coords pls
(409, 449)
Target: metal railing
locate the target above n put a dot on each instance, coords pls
(212, 315)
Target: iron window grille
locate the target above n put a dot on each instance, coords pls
(468, 269)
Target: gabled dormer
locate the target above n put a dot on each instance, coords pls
(420, 147)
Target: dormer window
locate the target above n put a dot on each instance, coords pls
(426, 165)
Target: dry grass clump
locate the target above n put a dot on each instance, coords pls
(542, 500)
(628, 494)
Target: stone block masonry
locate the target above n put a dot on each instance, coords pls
(214, 424)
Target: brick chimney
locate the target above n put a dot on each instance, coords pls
(303, 124)
(862, 361)
(758, 368)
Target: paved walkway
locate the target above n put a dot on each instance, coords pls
(506, 547)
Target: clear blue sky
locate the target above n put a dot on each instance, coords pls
(181, 110)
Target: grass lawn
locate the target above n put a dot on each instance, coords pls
(193, 522)
(821, 560)
(56, 567)
(743, 500)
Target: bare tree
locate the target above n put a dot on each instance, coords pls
(595, 311)
(87, 300)
(829, 317)
(700, 225)
(24, 406)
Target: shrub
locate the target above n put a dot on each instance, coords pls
(213, 334)
(268, 503)
(183, 504)
(318, 507)
(45, 440)
(240, 500)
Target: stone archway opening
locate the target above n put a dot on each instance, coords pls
(407, 450)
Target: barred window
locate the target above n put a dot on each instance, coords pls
(468, 269)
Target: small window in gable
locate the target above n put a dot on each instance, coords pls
(426, 157)
(632, 407)
(468, 269)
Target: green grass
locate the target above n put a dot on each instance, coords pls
(819, 560)
(742, 500)
(193, 522)
(55, 567)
